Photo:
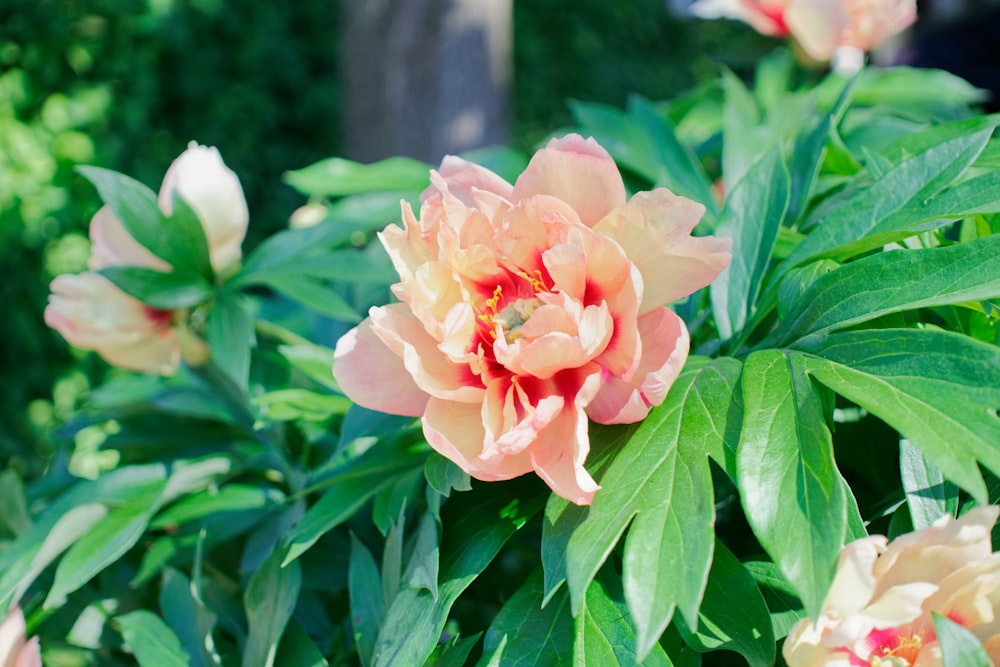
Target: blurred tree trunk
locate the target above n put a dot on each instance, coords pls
(423, 78)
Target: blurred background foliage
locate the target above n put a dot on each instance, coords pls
(126, 84)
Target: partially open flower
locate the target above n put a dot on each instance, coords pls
(528, 308)
(14, 650)
(92, 313)
(878, 609)
(819, 26)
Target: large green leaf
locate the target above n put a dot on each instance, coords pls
(270, 599)
(524, 634)
(474, 531)
(753, 213)
(890, 282)
(313, 294)
(661, 479)
(178, 239)
(928, 495)
(789, 484)
(117, 532)
(959, 647)
(336, 177)
(188, 616)
(159, 289)
(152, 642)
(231, 335)
(891, 203)
(733, 615)
(938, 389)
(603, 636)
(364, 585)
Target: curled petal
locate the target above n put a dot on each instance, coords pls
(93, 314)
(365, 368)
(665, 344)
(579, 172)
(654, 229)
(456, 431)
(464, 178)
(112, 245)
(214, 192)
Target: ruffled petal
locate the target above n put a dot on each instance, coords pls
(456, 431)
(463, 178)
(373, 376)
(654, 229)
(579, 172)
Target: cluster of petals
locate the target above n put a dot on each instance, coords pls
(526, 309)
(820, 27)
(878, 610)
(15, 651)
(93, 314)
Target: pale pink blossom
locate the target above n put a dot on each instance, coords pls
(878, 609)
(14, 650)
(92, 313)
(819, 26)
(527, 309)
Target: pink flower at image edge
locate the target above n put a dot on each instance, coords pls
(526, 309)
(14, 650)
(878, 609)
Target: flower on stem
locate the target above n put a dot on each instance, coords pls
(527, 308)
(14, 650)
(821, 27)
(878, 609)
(92, 313)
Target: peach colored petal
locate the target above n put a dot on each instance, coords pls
(534, 225)
(112, 245)
(91, 313)
(512, 421)
(665, 344)
(456, 431)
(463, 178)
(373, 376)
(11, 635)
(579, 172)
(817, 25)
(854, 583)
(430, 368)
(30, 655)
(214, 192)
(431, 293)
(654, 229)
(561, 448)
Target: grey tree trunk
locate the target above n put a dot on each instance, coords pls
(424, 78)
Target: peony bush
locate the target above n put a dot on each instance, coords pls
(712, 380)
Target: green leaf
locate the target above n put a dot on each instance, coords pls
(297, 649)
(349, 489)
(661, 479)
(523, 634)
(928, 495)
(312, 294)
(365, 589)
(474, 531)
(753, 213)
(939, 390)
(14, 515)
(733, 615)
(859, 220)
(336, 177)
(231, 335)
(179, 239)
(188, 616)
(782, 601)
(270, 599)
(959, 647)
(422, 568)
(108, 540)
(158, 289)
(293, 404)
(444, 476)
(454, 653)
(313, 361)
(744, 140)
(789, 484)
(602, 637)
(232, 497)
(152, 642)
(891, 282)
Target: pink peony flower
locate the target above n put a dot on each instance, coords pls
(878, 610)
(94, 314)
(527, 308)
(14, 651)
(819, 26)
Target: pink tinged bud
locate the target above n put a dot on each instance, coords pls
(14, 650)
(92, 313)
(526, 309)
(209, 187)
